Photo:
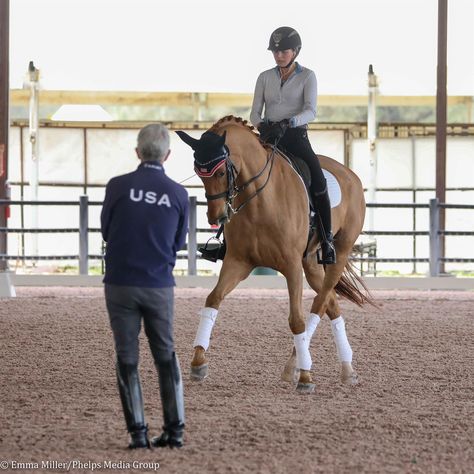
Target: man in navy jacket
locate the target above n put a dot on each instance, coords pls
(144, 221)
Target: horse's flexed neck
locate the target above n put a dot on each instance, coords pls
(225, 158)
(244, 144)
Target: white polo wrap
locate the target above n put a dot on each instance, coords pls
(303, 357)
(343, 347)
(206, 323)
(311, 325)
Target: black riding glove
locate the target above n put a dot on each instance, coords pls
(264, 128)
(284, 124)
(272, 133)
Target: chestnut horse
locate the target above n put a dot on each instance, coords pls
(254, 190)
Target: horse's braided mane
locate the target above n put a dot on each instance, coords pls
(231, 119)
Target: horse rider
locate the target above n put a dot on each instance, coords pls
(144, 222)
(287, 96)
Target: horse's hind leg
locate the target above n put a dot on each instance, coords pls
(232, 273)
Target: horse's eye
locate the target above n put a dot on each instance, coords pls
(220, 174)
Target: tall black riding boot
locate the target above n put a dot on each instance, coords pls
(323, 224)
(132, 404)
(171, 391)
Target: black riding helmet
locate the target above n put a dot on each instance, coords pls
(284, 38)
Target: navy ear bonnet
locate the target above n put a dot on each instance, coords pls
(210, 154)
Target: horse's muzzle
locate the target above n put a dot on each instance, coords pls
(223, 219)
(218, 214)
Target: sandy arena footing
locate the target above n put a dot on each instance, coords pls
(412, 412)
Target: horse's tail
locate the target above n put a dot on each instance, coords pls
(351, 287)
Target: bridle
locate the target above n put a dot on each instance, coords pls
(233, 189)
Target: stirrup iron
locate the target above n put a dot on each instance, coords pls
(216, 253)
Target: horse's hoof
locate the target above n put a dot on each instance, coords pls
(352, 379)
(348, 374)
(305, 387)
(290, 375)
(199, 372)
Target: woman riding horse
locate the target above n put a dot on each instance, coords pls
(288, 93)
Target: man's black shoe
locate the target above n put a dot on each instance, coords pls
(173, 440)
(139, 438)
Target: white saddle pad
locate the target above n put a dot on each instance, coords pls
(334, 189)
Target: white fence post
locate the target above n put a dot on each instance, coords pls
(192, 236)
(434, 237)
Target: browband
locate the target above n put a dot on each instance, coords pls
(205, 172)
(208, 168)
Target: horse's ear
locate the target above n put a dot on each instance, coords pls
(188, 139)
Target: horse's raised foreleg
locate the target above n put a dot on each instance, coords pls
(232, 273)
(297, 325)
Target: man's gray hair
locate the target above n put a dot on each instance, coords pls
(153, 142)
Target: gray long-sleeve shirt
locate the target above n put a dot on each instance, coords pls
(294, 100)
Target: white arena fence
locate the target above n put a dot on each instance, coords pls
(365, 253)
(78, 158)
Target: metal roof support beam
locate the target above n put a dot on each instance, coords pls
(4, 118)
(441, 115)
